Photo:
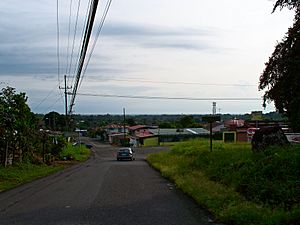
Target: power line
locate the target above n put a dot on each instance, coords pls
(75, 31)
(44, 99)
(108, 4)
(179, 82)
(58, 52)
(171, 98)
(57, 32)
(69, 31)
(55, 102)
(87, 35)
(81, 38)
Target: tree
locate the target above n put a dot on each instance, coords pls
(291, 4)
(54, 121)
(16, 122)
(186, 121)
(130, 121)
(281, 77)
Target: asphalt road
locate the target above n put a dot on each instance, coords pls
(99, 191)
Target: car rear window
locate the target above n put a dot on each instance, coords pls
(124, 150)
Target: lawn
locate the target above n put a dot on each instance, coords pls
(236, 185)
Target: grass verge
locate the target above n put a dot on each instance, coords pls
(237, 186)
(16, 175)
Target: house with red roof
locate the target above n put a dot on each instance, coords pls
(140, 135)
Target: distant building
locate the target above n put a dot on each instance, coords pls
(115, 128)
(175, 134)
(140, 135)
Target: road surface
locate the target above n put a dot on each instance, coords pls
(99, 191)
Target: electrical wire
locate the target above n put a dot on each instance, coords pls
(58, 47)
(69, 31)
(107, 7)
(171, 98)
(75, 31)
(55, 102)
(44, 99)
(81, 40)
(178, 82)
(57, 50)
(87, 35)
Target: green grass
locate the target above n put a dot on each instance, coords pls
(77, 153)
(237, 186)
(14, 176)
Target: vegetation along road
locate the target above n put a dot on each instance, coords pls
(101, 190)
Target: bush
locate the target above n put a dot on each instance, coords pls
(236, 185)
(78, 153)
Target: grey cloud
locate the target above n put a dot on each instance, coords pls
(121, 29)
(162, 37)
(28, 45)
(179, 45)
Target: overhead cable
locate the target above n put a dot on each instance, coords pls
(108, 4)
(172, 98)
(81, 39)
(74, 36)
(87, 35)
(177, 82)
(69, 31)
(57, 39)
(58, 46)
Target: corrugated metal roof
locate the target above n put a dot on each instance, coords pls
(198, 130)
(174, 131)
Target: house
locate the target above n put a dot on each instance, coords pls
(140, 135)
(117, 139)
(115, 134)
(115, 128)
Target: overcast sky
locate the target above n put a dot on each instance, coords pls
(174, 49)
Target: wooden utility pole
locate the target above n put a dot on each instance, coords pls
(124, 126)
(211, 119)
(66, 100)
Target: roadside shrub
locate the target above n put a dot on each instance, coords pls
(271, 177)
(233, 183)
(78, 153)
(58, 143)
(266, 137)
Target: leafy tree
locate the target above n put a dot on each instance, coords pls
(166, 124)
(291, 4)
(54, 121)
(281, 77)
(186, 121)
(16, 121)
(130, 121)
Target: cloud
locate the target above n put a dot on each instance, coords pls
(179, 45)
(130, 29)
(29, 46)
(147, 36)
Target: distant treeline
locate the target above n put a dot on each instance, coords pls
(162, 120)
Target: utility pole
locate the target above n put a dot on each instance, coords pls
(124, 126)
(66, 99)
